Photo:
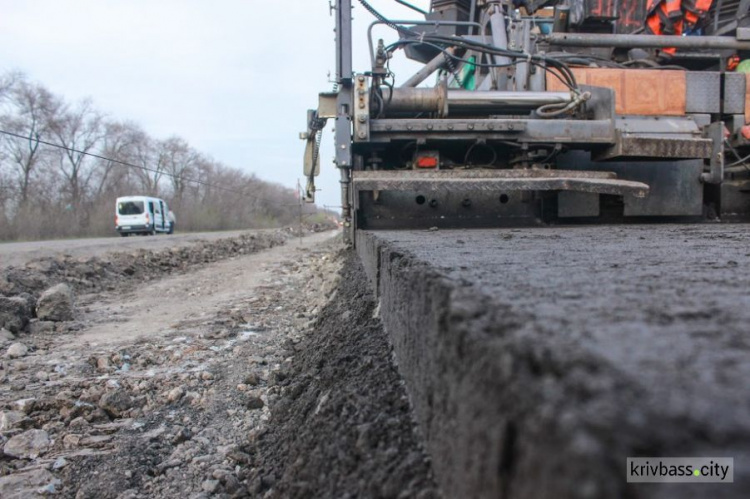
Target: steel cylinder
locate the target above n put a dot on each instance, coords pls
(645, 41)
(444, 102)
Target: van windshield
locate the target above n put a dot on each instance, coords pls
(130, 208)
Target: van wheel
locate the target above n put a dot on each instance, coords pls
(152, 231)
(124, 234)
(171, 228)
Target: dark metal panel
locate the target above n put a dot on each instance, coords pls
(629, 146)
(715, 175)
(344, 41)
(703, 92)
(344, 78)
(361, 111)
(675, 186)
(735, 198)
(410, 210)
(676, 189)
(685, 126)
(734, 93)
(577, 204)
(343, 132)
(435, 126)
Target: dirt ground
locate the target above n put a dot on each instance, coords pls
(344, 426)
(182, 303)
(197, 379)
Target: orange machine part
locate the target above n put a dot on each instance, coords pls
(427, 162)
(645, 92)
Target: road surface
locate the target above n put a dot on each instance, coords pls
(16, 254)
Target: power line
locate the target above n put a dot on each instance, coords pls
(130, 165)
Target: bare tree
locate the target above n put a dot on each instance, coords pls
(179, 162)
(145, 153)
(34, 109)
(8, 82)
(80, 130)
(116, 148)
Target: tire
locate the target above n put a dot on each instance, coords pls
(124, 234)
(171, 228)
(152, 231)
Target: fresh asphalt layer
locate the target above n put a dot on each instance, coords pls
(538, 360)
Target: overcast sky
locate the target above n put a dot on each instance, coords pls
(233, 77)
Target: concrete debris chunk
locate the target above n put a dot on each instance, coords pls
(6, 335)
(16, 350)
(27, 484)
(11, 419)
(28, 445)
(15, 312)
(56, 304)
(39, 327)
(116, 402)
(24, 405)
(176, 394)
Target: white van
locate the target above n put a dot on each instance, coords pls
(143, 215)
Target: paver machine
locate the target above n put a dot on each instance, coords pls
(538, 112)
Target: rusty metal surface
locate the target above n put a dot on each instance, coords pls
(647, 92)
(469, 174)
(595, 185)
(598, 131)
(633, 146)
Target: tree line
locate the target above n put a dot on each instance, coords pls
(48, 192)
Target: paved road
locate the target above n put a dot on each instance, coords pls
(15, 254)
(557, 353)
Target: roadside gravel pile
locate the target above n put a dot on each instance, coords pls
(167, 416)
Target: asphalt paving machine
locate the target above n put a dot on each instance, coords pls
(537, 112)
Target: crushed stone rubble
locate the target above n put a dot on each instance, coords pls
(166, 416)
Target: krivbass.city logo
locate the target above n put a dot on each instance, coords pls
(680, 469)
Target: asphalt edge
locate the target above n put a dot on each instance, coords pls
(476, 381)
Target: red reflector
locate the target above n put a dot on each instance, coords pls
(427, 162)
